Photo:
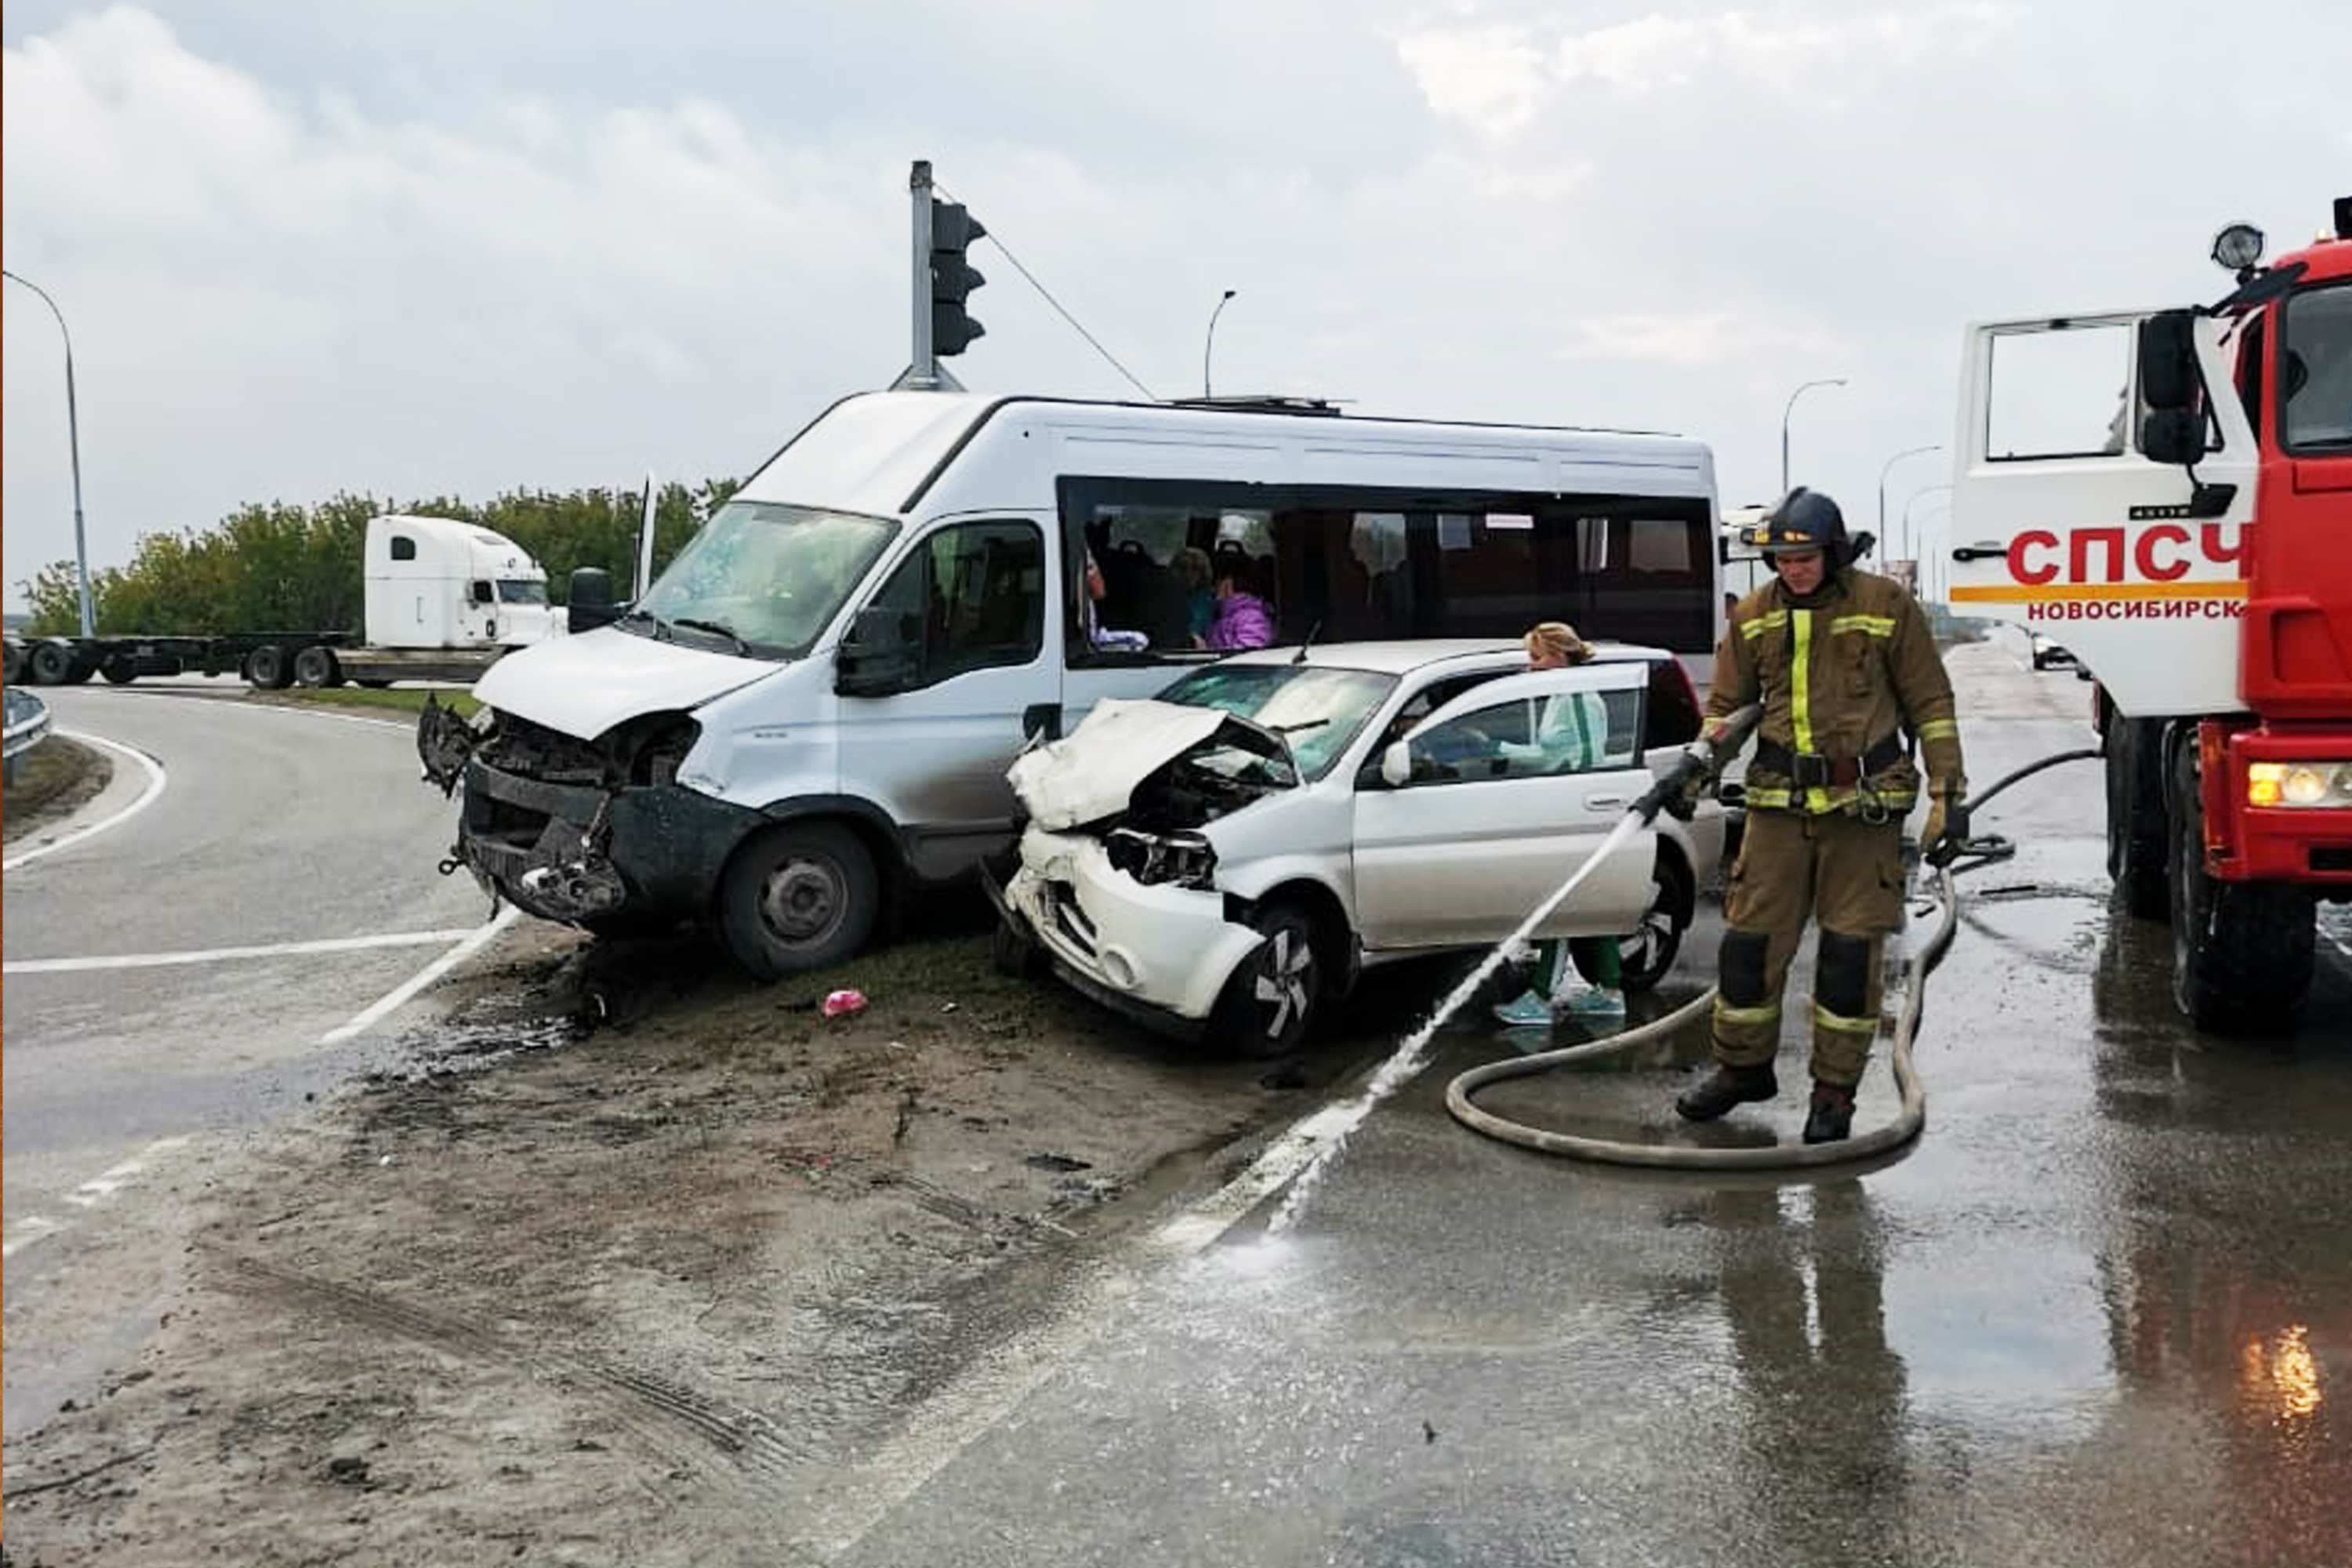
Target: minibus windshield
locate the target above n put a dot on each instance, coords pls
(760, 578)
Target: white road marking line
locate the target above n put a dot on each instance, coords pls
(298, 710)
(106, 1183)
(23, 1233)
(147, 798)
(472, 943)
(982, 1396)
(216, 954)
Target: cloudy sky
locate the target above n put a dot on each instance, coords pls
(458, 247)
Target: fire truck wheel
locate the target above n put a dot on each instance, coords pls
(2137, 855)
(2241, 952)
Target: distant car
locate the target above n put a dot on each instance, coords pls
(1221, 859)
(2048, 654)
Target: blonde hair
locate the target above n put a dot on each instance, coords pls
(1559, 639)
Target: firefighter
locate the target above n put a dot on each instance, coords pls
(1847, 672)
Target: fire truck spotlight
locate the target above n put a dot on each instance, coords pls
(2238, 247)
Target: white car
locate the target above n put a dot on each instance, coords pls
(1219, 859)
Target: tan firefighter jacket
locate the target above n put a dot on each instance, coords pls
(1847, 684)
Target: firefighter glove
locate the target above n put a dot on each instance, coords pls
(1945, 835)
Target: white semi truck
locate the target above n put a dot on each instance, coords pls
(444, 598)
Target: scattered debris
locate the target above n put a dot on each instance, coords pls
(1057, 1162)
(839, 1003)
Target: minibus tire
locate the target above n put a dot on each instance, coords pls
(798, 896)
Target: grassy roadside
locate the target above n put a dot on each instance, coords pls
(52, 779)
(403, 699)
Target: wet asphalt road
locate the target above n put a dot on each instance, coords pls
(2101, 1314)
(257, 840)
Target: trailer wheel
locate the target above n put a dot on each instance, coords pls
(50, 663)
(2137, 853)
(797, 896)
(120, 668)
(269, 668)
(316, 666)
(12, 662)
(2241, 952)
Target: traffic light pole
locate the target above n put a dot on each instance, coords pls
(923, 372)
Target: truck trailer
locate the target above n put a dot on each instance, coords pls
(2169, 494)
(443, 599)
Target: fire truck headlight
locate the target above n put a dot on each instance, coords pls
(2238, 247)
(2322, 785)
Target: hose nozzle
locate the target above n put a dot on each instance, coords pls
(1701, 761)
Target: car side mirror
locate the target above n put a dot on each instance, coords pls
(875, 658)
(1396, 764)
(589, 600)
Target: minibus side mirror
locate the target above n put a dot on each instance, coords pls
(589, 600)
(874, 659)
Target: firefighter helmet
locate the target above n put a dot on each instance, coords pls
(1804, 519)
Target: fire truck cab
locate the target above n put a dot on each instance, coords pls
(2168, 493)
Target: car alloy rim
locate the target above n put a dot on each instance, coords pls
(1283, 981)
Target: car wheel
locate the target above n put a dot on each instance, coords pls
(1270, 999)
(1014, 953)
(799, 896)
(1647, 952)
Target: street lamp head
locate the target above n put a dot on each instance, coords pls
(1231, 293)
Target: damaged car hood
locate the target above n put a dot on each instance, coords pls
(584, 685)
(1093, 772)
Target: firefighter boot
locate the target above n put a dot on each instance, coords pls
(1724, 1087)
(1831, 1121)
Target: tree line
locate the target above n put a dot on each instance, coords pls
(283, 567)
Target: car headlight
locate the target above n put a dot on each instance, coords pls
(1177, 860)
(2322, 785)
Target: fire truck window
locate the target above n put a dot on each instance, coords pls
(2315, 370)
(2059, 391)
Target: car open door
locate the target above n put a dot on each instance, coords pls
(1507, 795)
(2062, 524)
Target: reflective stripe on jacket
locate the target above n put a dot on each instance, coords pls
(1835, 677)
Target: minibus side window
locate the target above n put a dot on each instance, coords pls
(974, 596)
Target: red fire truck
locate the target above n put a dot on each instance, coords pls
(2168, 493)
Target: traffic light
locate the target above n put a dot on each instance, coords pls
(952, 277)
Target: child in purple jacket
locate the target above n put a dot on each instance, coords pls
(1242, 620)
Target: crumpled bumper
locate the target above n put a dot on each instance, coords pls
(574, 852)
(1144, 950)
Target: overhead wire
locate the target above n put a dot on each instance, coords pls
(1047, 295)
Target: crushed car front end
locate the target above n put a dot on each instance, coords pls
(1118, 877)
(581, 831)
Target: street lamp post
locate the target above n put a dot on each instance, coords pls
(1825, 381)
(1907, 452)
(1211, 340)
(1910, 535)
(73, 448)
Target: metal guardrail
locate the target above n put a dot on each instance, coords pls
(29, 724)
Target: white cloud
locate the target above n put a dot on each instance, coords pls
(1695, 339)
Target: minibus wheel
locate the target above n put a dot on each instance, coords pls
(797, 896)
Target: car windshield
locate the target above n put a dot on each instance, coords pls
(1317, 709)
(763, 578)
(518, 591)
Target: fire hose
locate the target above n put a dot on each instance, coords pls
(1909, 1120)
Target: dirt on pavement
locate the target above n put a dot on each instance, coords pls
(624, 1262)
(54, 779)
